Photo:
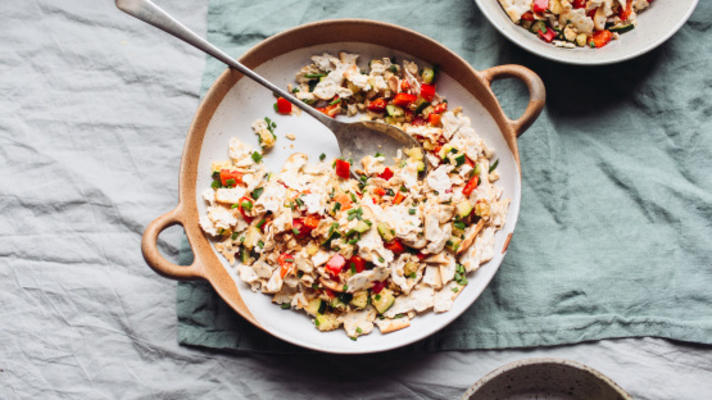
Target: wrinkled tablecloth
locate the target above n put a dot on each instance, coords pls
(93, 113)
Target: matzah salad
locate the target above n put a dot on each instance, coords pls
(369, 252)
(572, 23)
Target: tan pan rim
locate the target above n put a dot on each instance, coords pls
(206, 264)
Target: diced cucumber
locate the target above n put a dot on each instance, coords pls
(337, 304)
(314, 306)
(622, 28)
(383, 300)
(459, 160)
(252, 237)
(445, 150)
(360, 299)
(454, 243)
(361, 227)
(463, 209)
(421, 105)
(538, 26)
(385, 231)
(428, 75)
(394, 111)
(326, 322)
(416, 153)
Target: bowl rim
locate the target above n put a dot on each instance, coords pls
(585, 62)
(544, 361)
(206, 264)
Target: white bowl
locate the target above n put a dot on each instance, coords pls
(655, 25)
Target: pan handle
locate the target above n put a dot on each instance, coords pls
(153, 257)
(537, 92)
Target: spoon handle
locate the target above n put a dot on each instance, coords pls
(148, 12)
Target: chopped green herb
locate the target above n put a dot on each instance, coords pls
(337, 206)
(322, 156)
(335, 101)
(389, 192)
(270, 125)
(256, 157)
(359, 330)
(221, 231)
(215, 184)
(494, 165)
(299, 201)
(257, 193)
(234, 235)
(353, 197)
(295, 231)
(400, 315)
(354, 240)
(379, 154)
(346, 287)
(352, 267)
(411, 211)
(246, 205)
(459, 225)
(285, 306)
(261, 223)
(377, 296)
(403, 188)
(312, 76)
(381, 259)
(276, 109)
(315, 286)
(455, 289)
(316, 322)
(393, 69)
(413, 275)
(295, 90)
(261, 244)
(236, 205)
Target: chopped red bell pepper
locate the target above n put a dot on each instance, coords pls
(540, 6)
(601, 38)
(311, 221)
(283, 106)
(399, 197)
(434, 119)
(528, 16)
(342, 168)
(329, 292)
(440, 108)
(227, 174)
(395, 246)
(335, 264)
(379, 191)
(427, 91)
(378, 286)
(358, 263)
(469, 162)
(246, 217)
(471, 185)
(286, 263)
(579, 3)
(627, 11)
(377, 105)
(548, 36)
(421, 256)
(331, 110)
(404, 99)
(386, 174)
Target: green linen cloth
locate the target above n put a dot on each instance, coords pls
(614, 234)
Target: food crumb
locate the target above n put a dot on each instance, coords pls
(290, 136)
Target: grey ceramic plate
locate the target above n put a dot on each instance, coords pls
(655, 25)
(545, 378)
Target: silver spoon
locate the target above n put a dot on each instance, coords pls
(355, 139)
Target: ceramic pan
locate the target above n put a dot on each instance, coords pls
(233, 103)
